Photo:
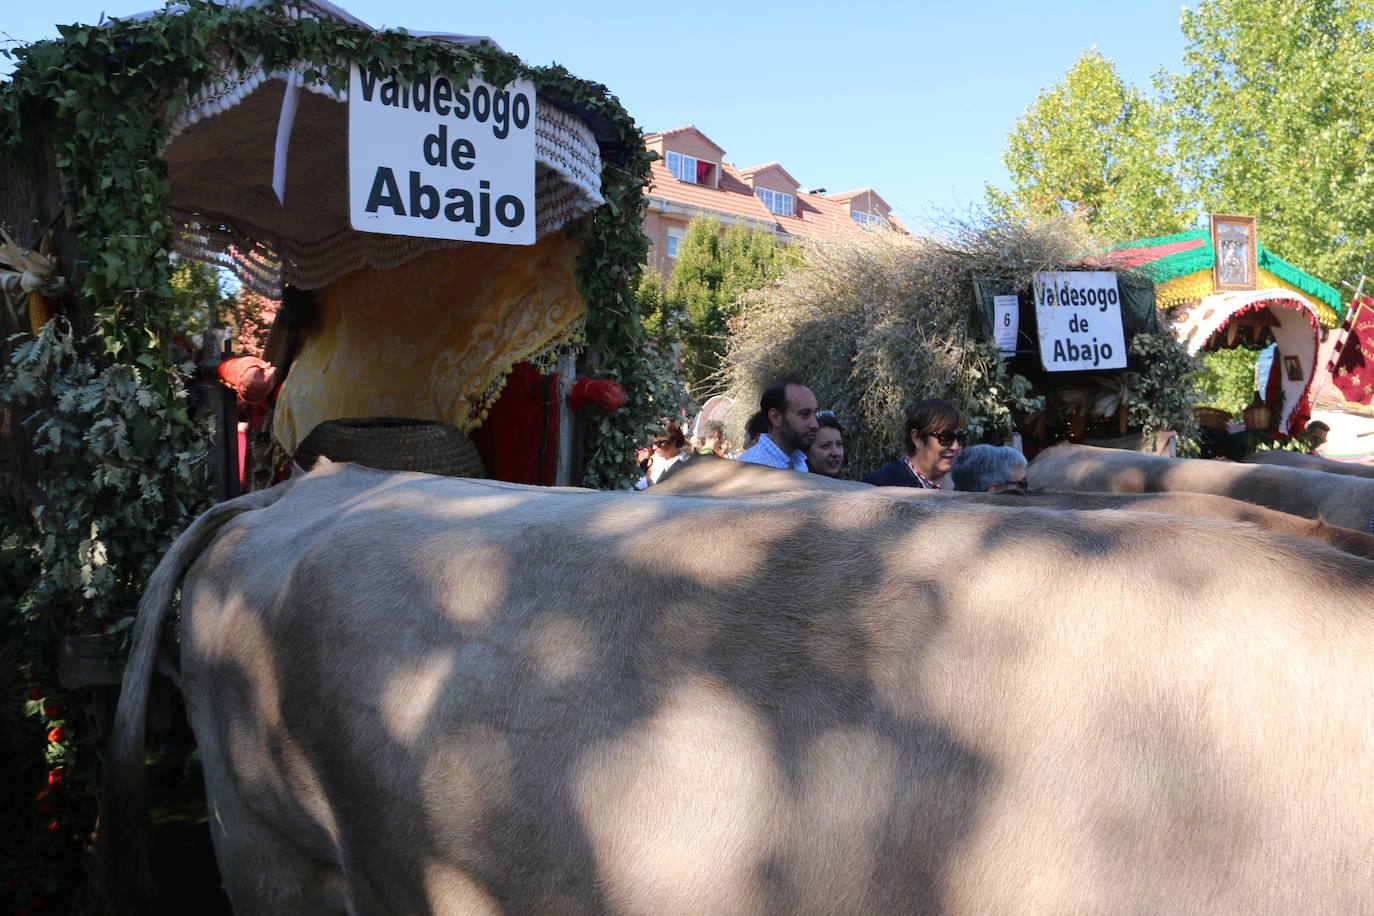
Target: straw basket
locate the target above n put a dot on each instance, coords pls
(1212, 418)
(393, 444)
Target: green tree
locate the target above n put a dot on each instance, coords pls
(1227, 379)
(711, 275)
(1274, 116)
(1097, 148)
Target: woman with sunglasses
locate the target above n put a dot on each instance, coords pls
(826, 453)
(934, 435)
(669, 449)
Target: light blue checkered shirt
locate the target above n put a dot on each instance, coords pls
(767, 453)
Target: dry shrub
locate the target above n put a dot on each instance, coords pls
(876, 322)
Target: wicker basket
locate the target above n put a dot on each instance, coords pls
(393, 444)
(1212, 417)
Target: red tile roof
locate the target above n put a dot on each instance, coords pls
(756, 169)
(815, 214)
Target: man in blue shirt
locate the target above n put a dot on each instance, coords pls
(790, 409)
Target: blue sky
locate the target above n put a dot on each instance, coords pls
(913, 99)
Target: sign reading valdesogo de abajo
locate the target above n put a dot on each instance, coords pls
(1078, 318)
(439, 159)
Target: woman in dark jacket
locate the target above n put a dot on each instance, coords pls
(935, 432)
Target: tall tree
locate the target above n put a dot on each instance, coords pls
(1096, 147)
(1274, 114)
(711, 274)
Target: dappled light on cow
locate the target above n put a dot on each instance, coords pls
(682, 808)
(411, 692)
(885, 705)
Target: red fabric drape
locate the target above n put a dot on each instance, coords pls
(518, 441)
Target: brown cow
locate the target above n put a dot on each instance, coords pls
(1338, 500)
(1309, 462)
(416, 694)
(708, 476)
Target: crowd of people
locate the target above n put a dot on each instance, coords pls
(789, 432)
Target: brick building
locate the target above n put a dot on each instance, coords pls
(693, 179)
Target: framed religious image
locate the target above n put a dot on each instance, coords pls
(1292, 368)
(1233, 238)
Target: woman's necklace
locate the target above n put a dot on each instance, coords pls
(921, 478)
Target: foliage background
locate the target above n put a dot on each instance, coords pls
(711, 273)
(1270, 114)
(1227, 379)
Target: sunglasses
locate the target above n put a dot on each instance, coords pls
(826, 414)
(947, 436)
(660, 443)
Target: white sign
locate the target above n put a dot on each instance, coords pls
(1006, 320)
(1078, 318)
(437, 159)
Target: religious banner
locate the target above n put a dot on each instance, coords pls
(1352, 365)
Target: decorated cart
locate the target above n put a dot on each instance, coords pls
(1221, 288)
(454, 238)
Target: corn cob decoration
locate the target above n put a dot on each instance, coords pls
(29, 277)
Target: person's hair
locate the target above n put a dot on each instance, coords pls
(713, 427)
(1316, 425)
(931, 414)
(758, 425)
(827, 421)
(774, 397)
(672, 431)
(979, 465)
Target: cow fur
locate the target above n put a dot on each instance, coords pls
(709, 476)
(415, 694)
(1310, 462)
(1335, 499)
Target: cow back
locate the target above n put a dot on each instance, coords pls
(419, 694)
(1337, 500)
(1310, 462)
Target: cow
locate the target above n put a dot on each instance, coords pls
(1336, 500)
(710, 476)
(1309, 462)
(416, 694)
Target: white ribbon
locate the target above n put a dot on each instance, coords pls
(284, 124)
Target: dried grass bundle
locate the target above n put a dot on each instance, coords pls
(876, 322)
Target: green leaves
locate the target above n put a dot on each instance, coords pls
(1097, 148)
(1270, 115)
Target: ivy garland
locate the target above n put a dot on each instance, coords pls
(113, 90)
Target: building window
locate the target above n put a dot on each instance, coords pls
(692, 170)
(777, 202)
(869, 220)
(675, 237)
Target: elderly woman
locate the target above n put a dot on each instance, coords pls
(670, 447)
(990, 469)
(935, 432)
(826, 454)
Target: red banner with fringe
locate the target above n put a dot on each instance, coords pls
(1352, 364)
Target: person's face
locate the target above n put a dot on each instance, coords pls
(826, 454)
(1017, 483)
(931, 458)
(664, 447)
(798, 425)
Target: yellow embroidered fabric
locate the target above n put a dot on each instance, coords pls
(1191, 288)
(426, 340)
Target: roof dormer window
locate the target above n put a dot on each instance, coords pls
(777, 201)
(692, 170)
(869, 220)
